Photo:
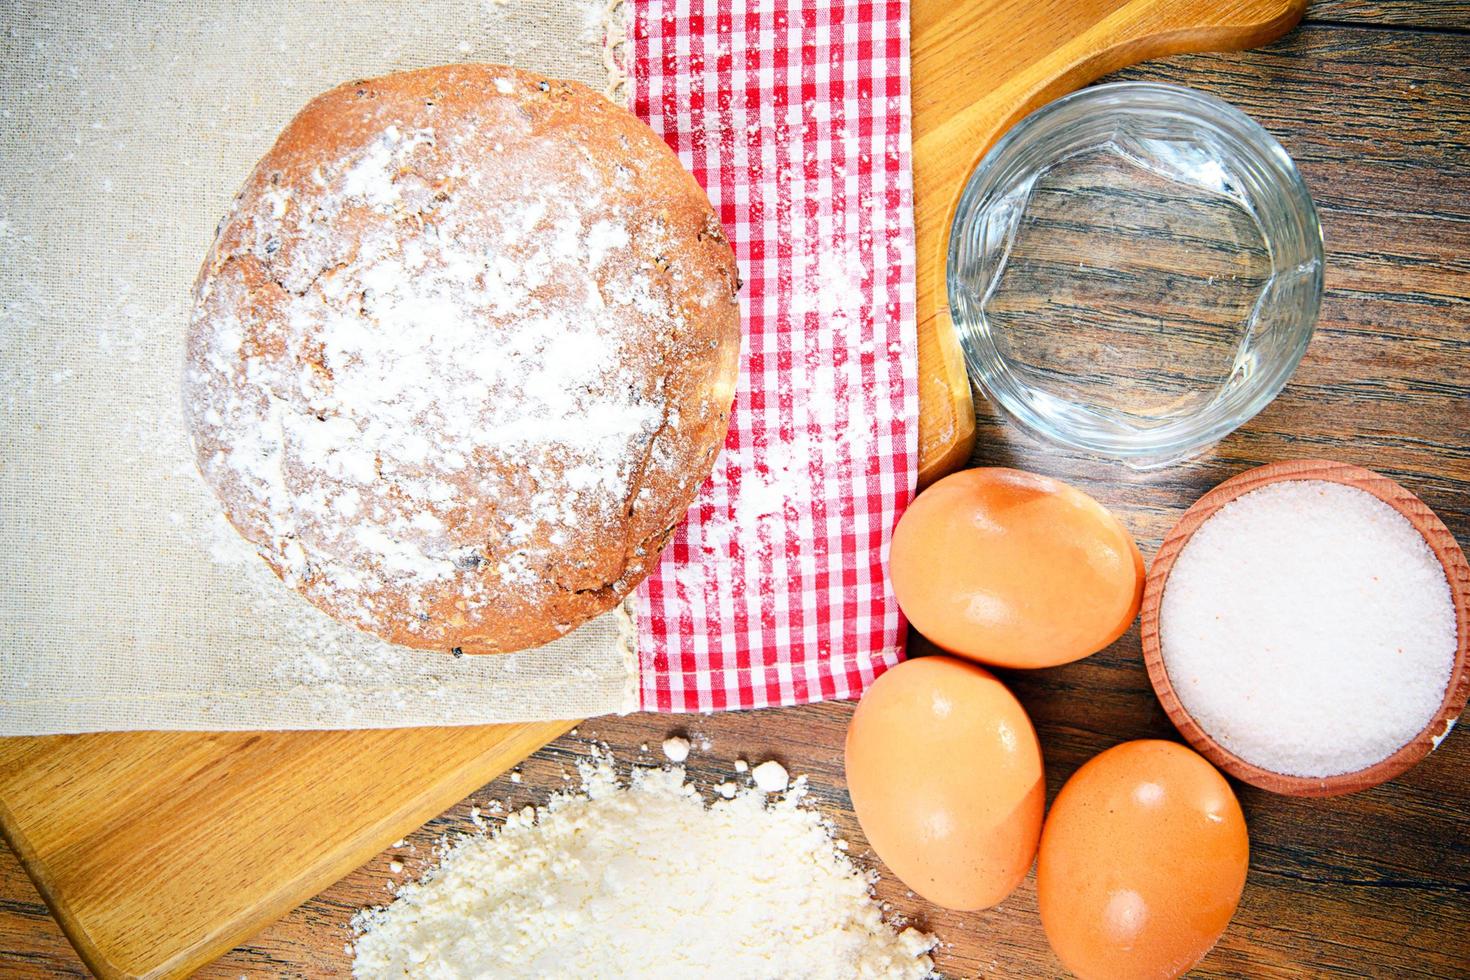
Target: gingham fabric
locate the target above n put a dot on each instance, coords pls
(794, 116)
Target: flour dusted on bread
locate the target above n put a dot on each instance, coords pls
(461, 355)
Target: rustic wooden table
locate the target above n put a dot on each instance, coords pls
(1373, 101)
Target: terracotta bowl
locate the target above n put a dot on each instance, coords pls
(1440, 541)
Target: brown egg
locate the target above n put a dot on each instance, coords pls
(1142, 861)
(946, 779)
(1014, 569)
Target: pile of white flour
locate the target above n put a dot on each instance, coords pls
(643, 880)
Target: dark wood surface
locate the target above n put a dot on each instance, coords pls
(1373, 101)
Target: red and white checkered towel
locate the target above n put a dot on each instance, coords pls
(794, 115)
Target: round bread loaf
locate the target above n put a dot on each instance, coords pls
(461, 354)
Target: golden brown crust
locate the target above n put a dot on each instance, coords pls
(462, 353)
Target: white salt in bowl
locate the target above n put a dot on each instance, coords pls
(1254, 724)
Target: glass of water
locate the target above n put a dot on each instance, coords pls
(1135, 271)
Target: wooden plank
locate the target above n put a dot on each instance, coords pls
(157, 850)
(1379, 124)
(1370, 885)
(1453, 15)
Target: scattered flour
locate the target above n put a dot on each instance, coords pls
(1308, 628)
(771, 777)
(643, 880)
(91, 337)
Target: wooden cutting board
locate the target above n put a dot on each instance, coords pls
(159, 851)
(978, 67)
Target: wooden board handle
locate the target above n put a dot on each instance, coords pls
(972, 82)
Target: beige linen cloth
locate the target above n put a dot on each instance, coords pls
(126, 601)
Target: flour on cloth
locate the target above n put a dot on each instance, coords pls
(794, 115)
(125, 131)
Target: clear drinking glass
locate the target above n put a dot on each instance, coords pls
(1135, 270)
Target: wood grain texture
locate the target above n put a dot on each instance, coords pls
(1451, 15)
(980, 66)
(1371, 885)
(1441, 542)
(157, 850)
(1374, 885)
